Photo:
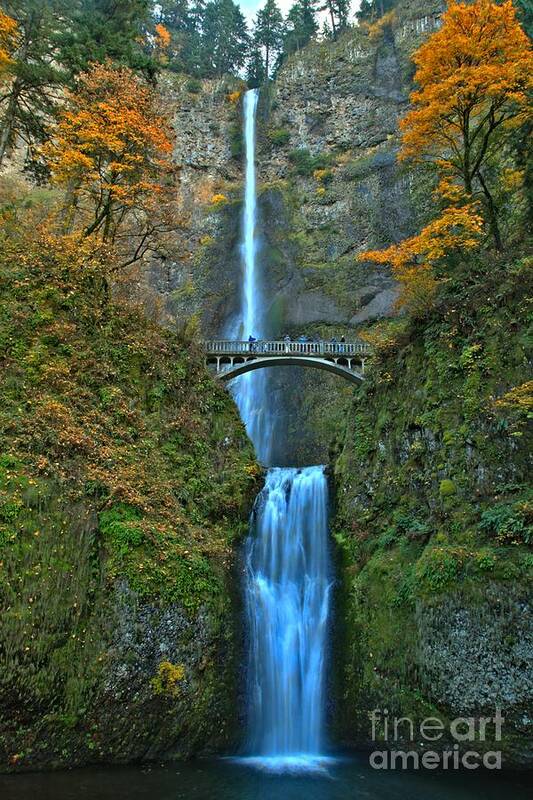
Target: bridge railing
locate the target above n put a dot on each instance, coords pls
(220, 347)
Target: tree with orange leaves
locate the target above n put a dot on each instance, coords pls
(112, 150)
(162, 37)
(474, 75)
(413, 261)
(162, 41)
(8, 40)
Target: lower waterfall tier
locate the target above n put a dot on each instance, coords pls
(288, 586)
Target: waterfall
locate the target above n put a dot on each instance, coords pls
(251, 390)
(287, 561)
(252, 311)
(287, 604)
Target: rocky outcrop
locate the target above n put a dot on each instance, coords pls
(163, 685)
(329, 187)
(329, 144)
(328, 181)
(478, 656)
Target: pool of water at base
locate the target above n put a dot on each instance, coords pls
(220, 779)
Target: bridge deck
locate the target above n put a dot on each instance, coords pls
(234, 358)
(282, 348)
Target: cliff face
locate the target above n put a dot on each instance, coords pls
(329, 186)
(328, 148)
(125, 479)
(433, 519)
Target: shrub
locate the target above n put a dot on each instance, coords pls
(438, 568)
(447, 488)
(120, 525)
(193, 86)
(236, 141)
(279, 137)
(323, 175)
(168, 678)
(305, 163)
(508, 522)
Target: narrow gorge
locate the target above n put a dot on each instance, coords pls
(270, 585)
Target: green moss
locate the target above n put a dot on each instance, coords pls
(236, 140)
(193, 86)
(120, 526)
(447, 488)
(168, 679)
(279, 137)
(305, 163)
(123, 465)
(411, 536)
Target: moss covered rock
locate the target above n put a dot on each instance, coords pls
(436, 617)
(125, 479)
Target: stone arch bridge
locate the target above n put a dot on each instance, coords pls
(233, 358)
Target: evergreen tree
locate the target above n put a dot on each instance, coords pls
(184, 22)
(371, 10)
(268, 33)
(173, 14)
(525, 15)
(255, 72)
(338, 11)
(191, 52)
(301, 26)
(103, 29)
(224, 37)
(29, 100)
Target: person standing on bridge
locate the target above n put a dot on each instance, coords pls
(251, 342)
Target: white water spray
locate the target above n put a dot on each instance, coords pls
(287, 563)
(287, 601)
(251, 293)
(251, 390)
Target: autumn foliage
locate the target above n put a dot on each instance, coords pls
(413, 260)
(162, 40)
(163, 37)
(111, 149)
(474, 76)
(8, 39)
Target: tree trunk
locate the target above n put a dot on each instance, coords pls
(8, 122)
(70, 206)
(333, 26)
(492, 214)
(103, 215)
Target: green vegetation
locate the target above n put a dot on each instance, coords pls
(123, 465)
(168, 678)
(305, 163)
(433, 501)
(279, 137)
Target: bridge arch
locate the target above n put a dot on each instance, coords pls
(263, 362)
